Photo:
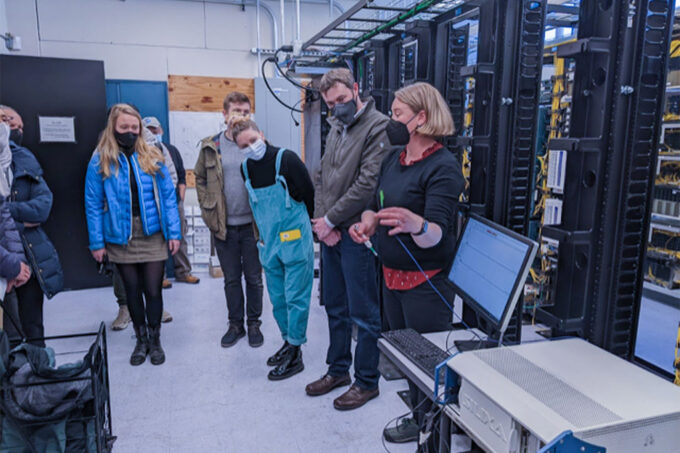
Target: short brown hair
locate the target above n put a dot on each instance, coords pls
(242, 125)
(235, 97)
(338, 75)
(423, 96)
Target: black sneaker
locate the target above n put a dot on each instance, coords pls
(255, 338)
(291, 365)
(406, 431)
(234, 333)
(279, 356)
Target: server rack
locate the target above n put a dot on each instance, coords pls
(621, 57)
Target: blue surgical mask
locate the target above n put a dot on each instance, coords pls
(159, 138)
(256, 150)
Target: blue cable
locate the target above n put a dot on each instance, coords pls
(449, 306)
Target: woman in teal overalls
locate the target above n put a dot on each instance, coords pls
(281, 196)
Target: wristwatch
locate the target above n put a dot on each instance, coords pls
(423, 228)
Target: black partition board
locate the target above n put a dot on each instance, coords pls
(37, 86)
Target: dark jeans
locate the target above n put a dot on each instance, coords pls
(239, 256)
(350, 295)
(422, 310)
(26, 307)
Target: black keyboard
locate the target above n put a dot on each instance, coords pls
(417, 348)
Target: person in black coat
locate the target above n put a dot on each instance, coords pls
(30, 203)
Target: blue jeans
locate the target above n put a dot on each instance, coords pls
(350, 295)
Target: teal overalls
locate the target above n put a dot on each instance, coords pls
(286, 253)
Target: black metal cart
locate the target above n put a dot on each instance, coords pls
(65, 409)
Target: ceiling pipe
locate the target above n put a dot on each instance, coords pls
(258, 42)
(298, 35)
(283, 21)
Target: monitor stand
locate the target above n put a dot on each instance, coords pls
(472, 345)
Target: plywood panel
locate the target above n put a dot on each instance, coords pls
(205, 94)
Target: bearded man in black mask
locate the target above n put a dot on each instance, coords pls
(355, 148)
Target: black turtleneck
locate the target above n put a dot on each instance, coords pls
(299, 183)
(134, 192)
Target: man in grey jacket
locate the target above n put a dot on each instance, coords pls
(355, 148)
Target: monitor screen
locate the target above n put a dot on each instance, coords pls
(490, 267)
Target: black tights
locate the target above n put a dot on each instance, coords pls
(144, 278)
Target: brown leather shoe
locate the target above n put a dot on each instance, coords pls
(326, 384)
(191, 279)
(354, 398)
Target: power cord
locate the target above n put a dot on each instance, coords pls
(450, 307)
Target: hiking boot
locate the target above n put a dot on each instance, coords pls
(191, 279)
(291, 365)
(156, 353)
(167, 317)
(234, 333)
(123, 319)
(141, 347)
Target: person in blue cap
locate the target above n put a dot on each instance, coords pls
(281, 196)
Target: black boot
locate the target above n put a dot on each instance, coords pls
(279, 355)
(141, 348)
(234, 333)
(291, 365)
(156, 352)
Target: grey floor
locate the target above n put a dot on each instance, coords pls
(209, 399)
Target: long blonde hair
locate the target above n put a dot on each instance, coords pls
(423, 96)
(108, 147)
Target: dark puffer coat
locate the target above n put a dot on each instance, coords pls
(31, 202)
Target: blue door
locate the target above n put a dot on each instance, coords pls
(151, 98)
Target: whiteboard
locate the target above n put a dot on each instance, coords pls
(187, 129)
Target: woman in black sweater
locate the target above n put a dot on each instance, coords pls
(414, 217)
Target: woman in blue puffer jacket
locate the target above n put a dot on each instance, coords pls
(132, 218)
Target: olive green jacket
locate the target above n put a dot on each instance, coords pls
(210, 186)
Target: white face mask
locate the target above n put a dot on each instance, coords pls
(256, 150)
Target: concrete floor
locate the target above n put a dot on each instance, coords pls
(209, 399)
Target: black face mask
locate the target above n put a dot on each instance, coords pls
(345, 112)
(398, 133)
(17, 136)
(126, 140)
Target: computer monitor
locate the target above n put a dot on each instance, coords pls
(489, 269)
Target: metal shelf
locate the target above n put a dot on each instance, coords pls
(376, 19)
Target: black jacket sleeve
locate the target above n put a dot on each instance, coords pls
(299, 182)
(179, 164)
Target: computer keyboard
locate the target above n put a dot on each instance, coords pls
(417, 348)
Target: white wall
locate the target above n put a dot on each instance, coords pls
(149, 39)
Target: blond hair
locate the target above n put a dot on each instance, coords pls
(108, 148)
(242, 125)
(423, 96)
(338, 75)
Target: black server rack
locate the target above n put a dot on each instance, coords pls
(621, 57)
